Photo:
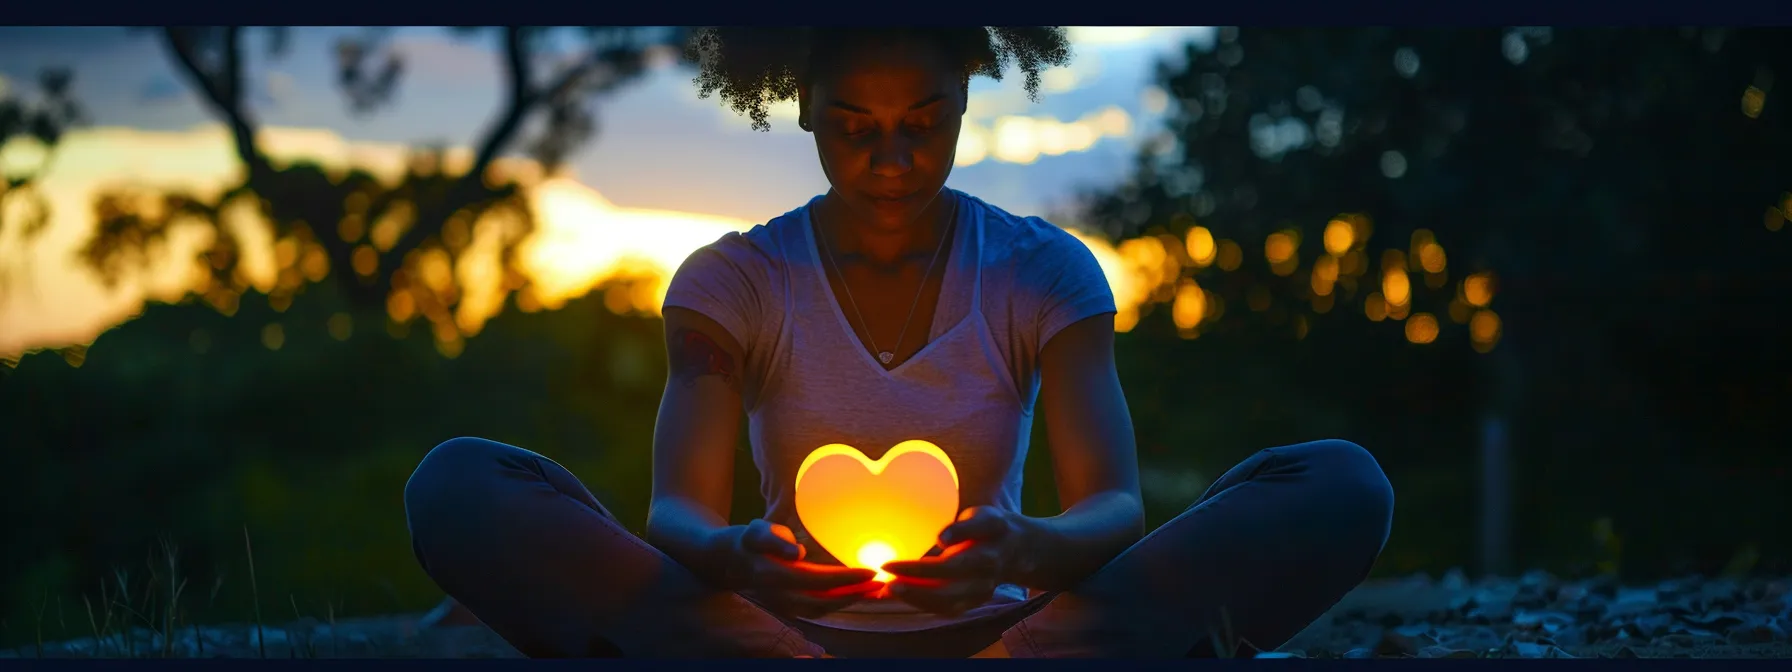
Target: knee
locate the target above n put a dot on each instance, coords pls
(1355, 481)
(452, 473)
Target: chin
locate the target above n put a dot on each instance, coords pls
(893, 215)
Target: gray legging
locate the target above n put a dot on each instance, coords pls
(1266, 550)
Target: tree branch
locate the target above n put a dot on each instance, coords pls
(222, 91)
(521, 97)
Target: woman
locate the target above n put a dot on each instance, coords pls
(893, 308)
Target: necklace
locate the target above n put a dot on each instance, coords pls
(886, 356)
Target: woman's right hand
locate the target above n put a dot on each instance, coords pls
(767, 564)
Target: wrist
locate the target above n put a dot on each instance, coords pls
(721, 548)
(1030, 544)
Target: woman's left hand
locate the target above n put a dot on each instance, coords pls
(980, 551)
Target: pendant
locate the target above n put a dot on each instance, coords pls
(886, 356)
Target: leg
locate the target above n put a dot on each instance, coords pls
(1270, 547)
(523, 545)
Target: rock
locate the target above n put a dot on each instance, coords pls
(1446, 652)
(1394, 643)
(1531, 650)
(1359, 654)
(1764, 632)
(1278, 654)
(1633, 601)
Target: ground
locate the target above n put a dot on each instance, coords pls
(1533, 616)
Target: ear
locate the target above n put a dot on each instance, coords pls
(802, 106)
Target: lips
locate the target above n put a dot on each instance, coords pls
(894, 198)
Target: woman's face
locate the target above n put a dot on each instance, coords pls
(886, 119)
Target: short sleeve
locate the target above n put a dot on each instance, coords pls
(1069, 282)
(725, 281)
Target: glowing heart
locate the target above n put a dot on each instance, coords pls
(866, 513)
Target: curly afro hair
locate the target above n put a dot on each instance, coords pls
(753, 68)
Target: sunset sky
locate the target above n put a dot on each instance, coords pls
(660, 149)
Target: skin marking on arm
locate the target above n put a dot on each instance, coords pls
(696, 355)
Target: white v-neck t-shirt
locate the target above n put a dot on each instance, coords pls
(1011, 283)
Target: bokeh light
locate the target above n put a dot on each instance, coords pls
(1422, 328)
(1340, 235)
(1753, 100)
(1484, 330)
(273, 336)
(1230, 255)
(1477, 289)
(1201, 247)
(1396, 287)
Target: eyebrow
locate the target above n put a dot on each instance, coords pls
(854, 108)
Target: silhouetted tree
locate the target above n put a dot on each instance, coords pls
(1608, 186)
(373, 236)
(44, 120)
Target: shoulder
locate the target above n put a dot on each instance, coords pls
(1036, 252)
(753, 255)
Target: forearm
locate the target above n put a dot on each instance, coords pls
(1058, 552)
(694, 536)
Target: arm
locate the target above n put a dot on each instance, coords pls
(693, 479)
(1095, 455)
(1092, 445)
(693, 445)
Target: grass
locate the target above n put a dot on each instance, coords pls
(145, 614)
(143, 621)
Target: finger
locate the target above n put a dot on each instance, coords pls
(784, 534)
(979, 523)
(814, 577)
(962, 561)
(763, 537)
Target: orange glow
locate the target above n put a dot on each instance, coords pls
(1484, 330)
(1190, 305)
(1322, 304)
(873, 555)
(1278, 248)
(1230, 255)
(1431, 257)
(401, 307)
(868, 512)
(1477, 289)
(1353, 263)
(1125, 319)
(1775, 218)
(1375, 308)
(1422, 328)
(1339, 237)
(352, 227)
(1459, 311)
(1396, 286)
(316, 263)
(366, 260)
(1392, 259)
(1201, 248)
(581, 243)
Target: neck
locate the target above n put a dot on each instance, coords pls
(854, 238)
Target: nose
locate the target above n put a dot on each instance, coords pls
(892, 157)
